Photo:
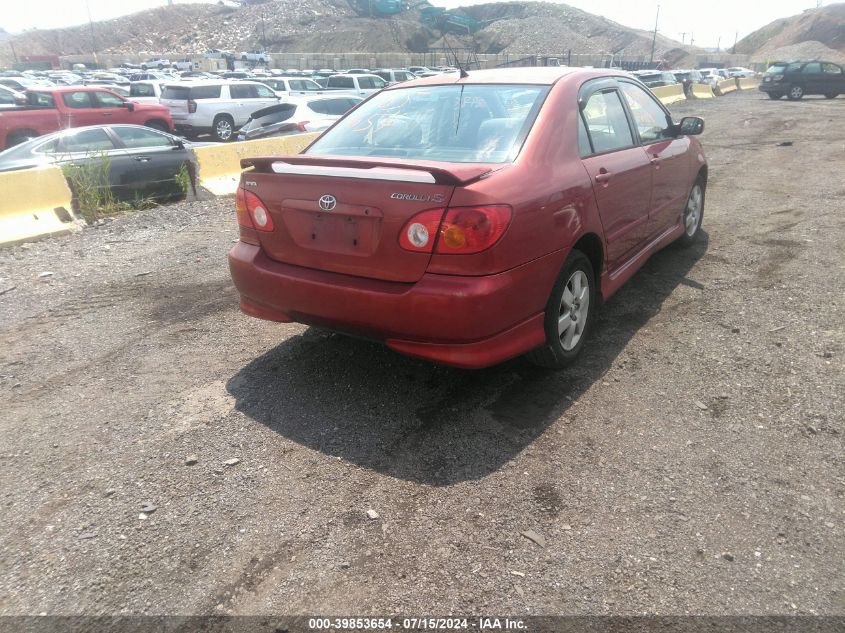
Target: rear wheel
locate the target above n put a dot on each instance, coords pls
(568, 313)
(830, 95)
(795, 93)
(223, 128)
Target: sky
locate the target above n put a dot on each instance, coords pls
(716, 23)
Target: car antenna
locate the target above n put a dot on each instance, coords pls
(463, 73)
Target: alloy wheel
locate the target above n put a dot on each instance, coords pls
(692, 215)
(574, 310)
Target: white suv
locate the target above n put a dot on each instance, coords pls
(216, 106)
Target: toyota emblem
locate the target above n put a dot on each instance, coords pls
(327, 202)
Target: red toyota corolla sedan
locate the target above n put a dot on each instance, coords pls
(468, 220)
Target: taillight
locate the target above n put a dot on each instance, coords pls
(420, 232)
(472, 229)
(301, 126)
(460, 231)
(252, 215)
(192, 106)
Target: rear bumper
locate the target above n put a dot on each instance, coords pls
(469, 322)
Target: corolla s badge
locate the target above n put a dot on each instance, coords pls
(327, 202)
(418, 197)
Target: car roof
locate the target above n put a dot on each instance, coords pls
(519, 75)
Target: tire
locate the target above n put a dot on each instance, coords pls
(223, 128)
(693, 214)
(243, 58)
(795, 93)
(831, 95)
(161, 126)
(568, 313)
(774, 95)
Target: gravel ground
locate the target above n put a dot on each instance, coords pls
(691, 463)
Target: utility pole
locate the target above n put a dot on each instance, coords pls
(654, 39)
(683, 38)
(691, 39)
(736, 37)
(91, 25)
(719, 45)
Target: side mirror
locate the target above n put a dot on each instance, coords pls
(691, 126)
(129, 106)
(178, 144)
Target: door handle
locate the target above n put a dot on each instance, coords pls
(603, 176)
(107, 113)
(142, 159)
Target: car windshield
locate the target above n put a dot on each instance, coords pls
(464, 124)
(775, 69)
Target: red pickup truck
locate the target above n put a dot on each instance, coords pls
(51, 109)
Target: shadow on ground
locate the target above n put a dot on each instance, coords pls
(361, 402)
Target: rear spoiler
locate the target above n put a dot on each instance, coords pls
(379, 169)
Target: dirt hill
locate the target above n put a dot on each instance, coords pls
(815, 33)
(331, 26)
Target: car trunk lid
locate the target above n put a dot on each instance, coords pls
(345, 215)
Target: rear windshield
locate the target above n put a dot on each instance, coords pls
(267, 117)
(464, 124)
(142, 90)
(775, 69)
(191, 92)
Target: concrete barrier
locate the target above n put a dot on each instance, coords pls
(747, 83)
(34, 203)
(220, 165)
(702, 91)
(725, 86)
(670, 94)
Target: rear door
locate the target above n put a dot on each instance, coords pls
(834, 78)
(99, 161)
(80, 109)
(619, 169)
(812, 78)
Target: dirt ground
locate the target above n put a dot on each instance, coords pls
(691, 463)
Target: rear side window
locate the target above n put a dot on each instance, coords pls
(44, 99)
(77, 100)
(205, 92)
(606, 122)
(831, 69)
(341, 82)
(95, 140)
(813, 67)
(142, 90)
(241, 91)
